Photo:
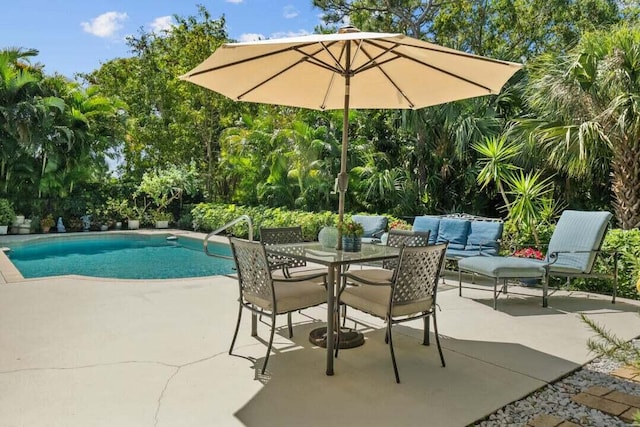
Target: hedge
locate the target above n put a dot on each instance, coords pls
(209, 216)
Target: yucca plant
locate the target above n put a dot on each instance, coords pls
(532, 197)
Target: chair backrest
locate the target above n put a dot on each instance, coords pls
(417, 275)
(582, 231)
(400, 238)
(254, 275)
(282, 235)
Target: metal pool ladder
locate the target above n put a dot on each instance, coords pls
(223, 228)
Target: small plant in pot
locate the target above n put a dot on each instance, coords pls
(351, 232)
(7, 215)
(46, 223)
(162, 219)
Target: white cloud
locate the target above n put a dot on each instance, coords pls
(162, 23)
(251, 37)
(290, 12)
(235, 1)
(283, 34)
(105, 25)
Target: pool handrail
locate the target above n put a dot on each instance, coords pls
(241, 218)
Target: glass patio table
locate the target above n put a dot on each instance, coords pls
(335, 260)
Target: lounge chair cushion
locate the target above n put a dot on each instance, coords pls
(374, 225)
(375, 300)
(454, 231)
(485, 234)
(577, 231)
(503, 267)
(427, 223)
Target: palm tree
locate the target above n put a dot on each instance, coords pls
(440, 155)
(588, 107)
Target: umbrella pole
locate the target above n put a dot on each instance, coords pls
(343, 177)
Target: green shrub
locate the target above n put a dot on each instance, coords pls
(208, 217)
(7, 214)
(627, 243)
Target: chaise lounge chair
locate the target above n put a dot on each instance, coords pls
(572, 252)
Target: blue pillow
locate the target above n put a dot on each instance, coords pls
(454, 231)
(374, 225)
(428, 223)
(485, 234)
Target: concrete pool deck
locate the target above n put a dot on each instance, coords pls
(77, 351)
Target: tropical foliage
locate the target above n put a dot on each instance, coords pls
(55, 135)
(563, 132)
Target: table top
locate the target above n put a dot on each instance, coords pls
(315, 252)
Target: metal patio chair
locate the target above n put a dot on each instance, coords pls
(283, 266)
(262, 294)
(409, 295)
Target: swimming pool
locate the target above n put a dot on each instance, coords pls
(121, 256)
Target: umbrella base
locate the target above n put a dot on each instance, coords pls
(348, 338)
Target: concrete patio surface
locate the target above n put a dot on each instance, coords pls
(77, 351)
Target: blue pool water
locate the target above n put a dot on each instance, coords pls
(119, 256)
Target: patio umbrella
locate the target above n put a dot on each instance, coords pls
(349, 69)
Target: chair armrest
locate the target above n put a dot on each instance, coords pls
(554, 255)
(302, 278)
(365, 281)
(276, 263)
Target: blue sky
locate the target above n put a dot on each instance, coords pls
(78, 35)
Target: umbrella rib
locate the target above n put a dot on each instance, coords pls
(267, 80)
(253, 58)
(433, 67)
(323, 105)
(455, 76)
(451, 52)
(373, 64)
(306, 57)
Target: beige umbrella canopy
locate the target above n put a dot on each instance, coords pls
(349, 69)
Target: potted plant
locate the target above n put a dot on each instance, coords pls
(123, 209)
(134, 214)
(162, 219)
(46, 223)
(161, 187)
(7, 215)
(351, 232)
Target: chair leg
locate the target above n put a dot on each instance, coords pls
(235, 334)
(459, 283)
(615, 278)
(290, 325)
(435, 331)
(425, 338)
(393, 355)
(495, 294)
(337, 324)
(273, 330)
